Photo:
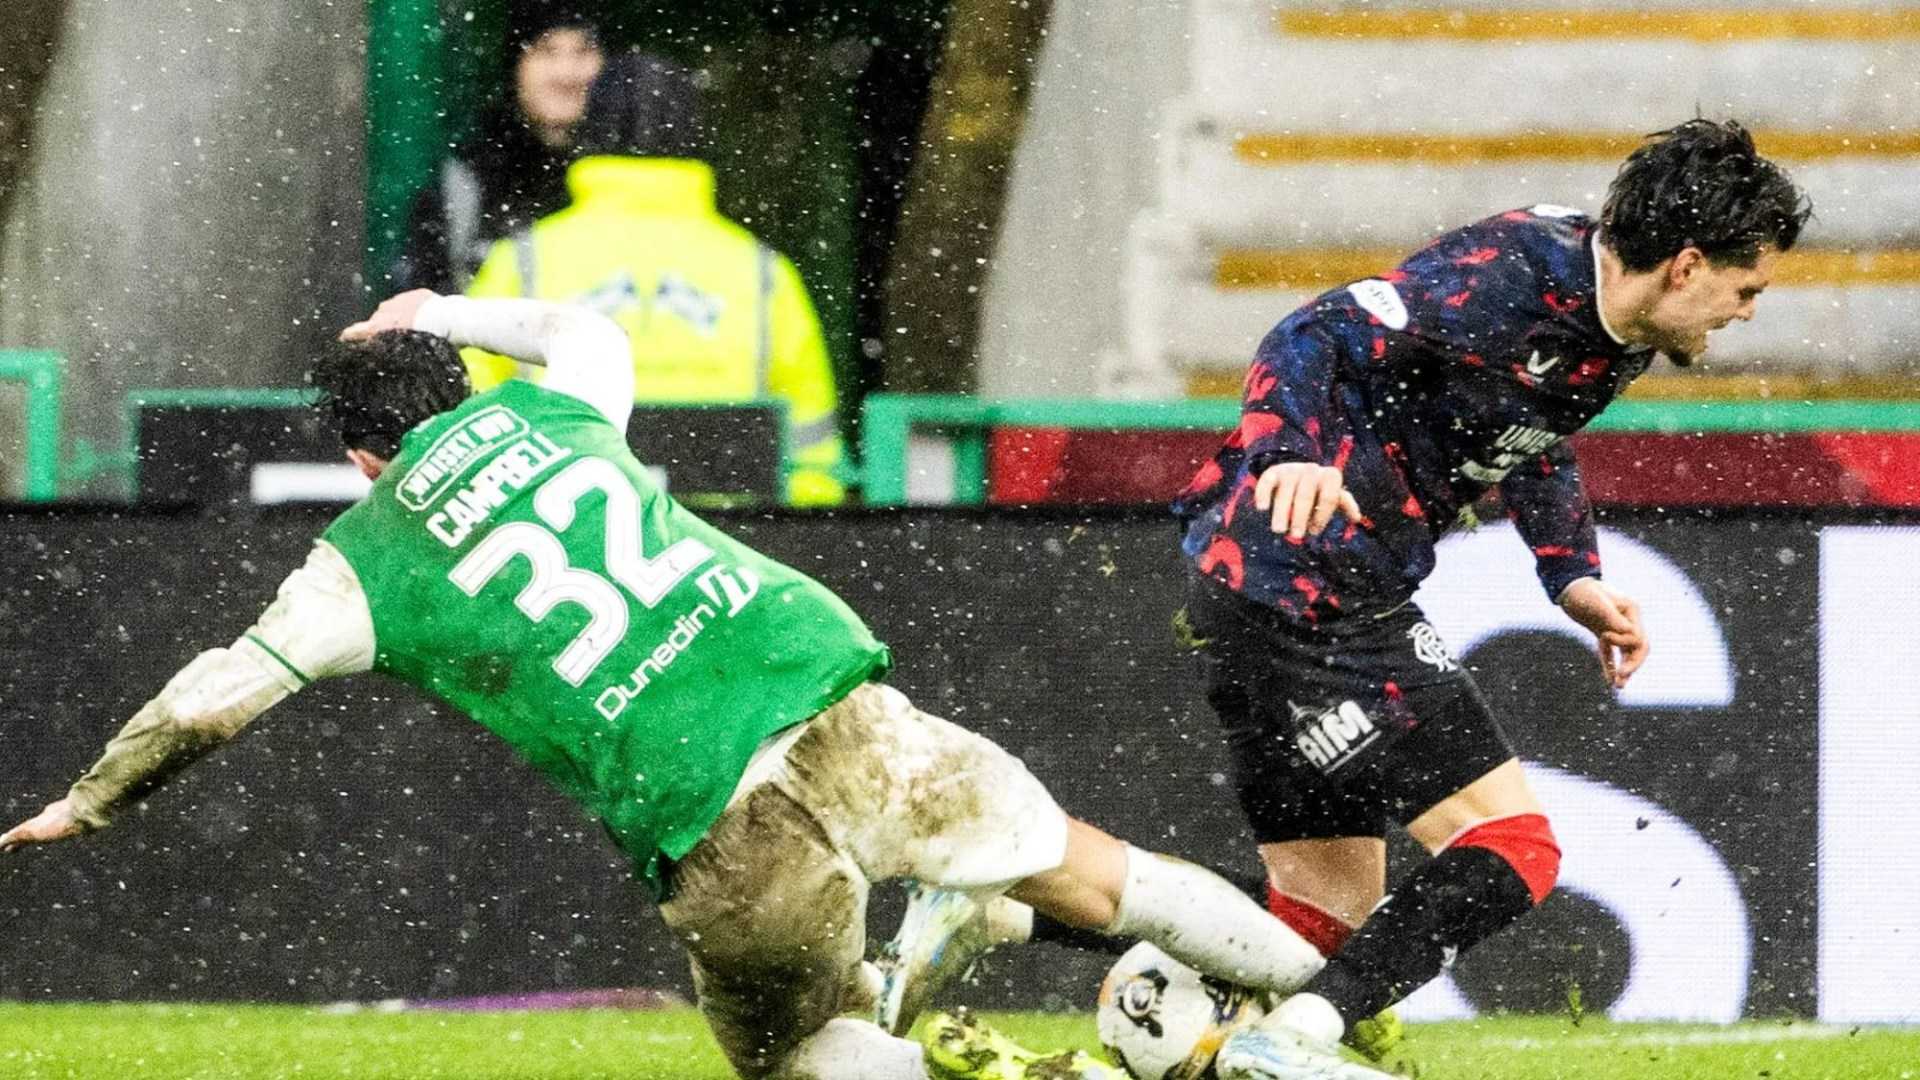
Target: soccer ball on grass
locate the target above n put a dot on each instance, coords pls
(1161, 1020)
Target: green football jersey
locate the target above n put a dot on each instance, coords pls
(523, 566)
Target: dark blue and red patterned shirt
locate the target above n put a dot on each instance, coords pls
(1464, 369)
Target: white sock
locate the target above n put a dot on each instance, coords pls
(1009, 922)
(1310, 1015)
(848, 1049)
(1205, 923)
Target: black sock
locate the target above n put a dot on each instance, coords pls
(1087, 940)
(1461, 897)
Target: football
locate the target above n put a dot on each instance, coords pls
(1161, 1020)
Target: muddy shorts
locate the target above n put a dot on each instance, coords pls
(1338, 731)
(772, 903)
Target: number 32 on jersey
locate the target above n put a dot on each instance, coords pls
(555, 581)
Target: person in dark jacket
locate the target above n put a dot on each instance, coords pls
(513, 168)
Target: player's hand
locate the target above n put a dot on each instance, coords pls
(1614, 619)
(394, 313)
(56, 822)
(1303, 497)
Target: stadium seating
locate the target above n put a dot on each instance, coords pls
(1316, 144)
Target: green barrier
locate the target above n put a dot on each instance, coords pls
(1758, 417)
(39, 370)
(891, 419)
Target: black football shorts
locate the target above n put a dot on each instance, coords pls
(1338, 730)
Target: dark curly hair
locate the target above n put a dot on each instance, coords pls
(378, 390)
(1704, 185)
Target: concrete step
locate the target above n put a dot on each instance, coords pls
(1840, 329)
(1869, 201)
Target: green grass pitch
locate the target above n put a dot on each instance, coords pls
(222, 1042)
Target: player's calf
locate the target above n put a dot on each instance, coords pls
(1480, 883)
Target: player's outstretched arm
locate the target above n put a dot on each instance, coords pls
(1302, 497)
(56, 822)
(1613, 617)
(318, 626)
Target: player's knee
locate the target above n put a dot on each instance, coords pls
(1524, 842)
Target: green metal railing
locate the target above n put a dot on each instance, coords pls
(39, 370)
(891, 419)
(219, 397)
(1758, 417)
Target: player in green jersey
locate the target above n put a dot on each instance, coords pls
(719, 712)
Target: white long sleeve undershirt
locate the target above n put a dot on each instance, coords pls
(586, 354)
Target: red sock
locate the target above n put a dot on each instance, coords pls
(1526, 842)
(1321, 929)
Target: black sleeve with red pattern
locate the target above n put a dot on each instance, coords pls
(1550, 509)
(1288, 391)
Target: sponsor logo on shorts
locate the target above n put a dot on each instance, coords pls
(1429, 649)
(1329, 738)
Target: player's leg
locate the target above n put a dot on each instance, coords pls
(1328, 880)
(1267, 682)
(1187, 911)
(902, 794)
(909, 795)
(942, 805)
(1325, 886)
(1453, 771)
(773, 918)
(1278, 692)
(944, 933)
(1195, 916)
(1494, 860)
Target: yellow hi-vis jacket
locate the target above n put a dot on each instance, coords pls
(714, 315)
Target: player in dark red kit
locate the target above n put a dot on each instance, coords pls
(1374, 417)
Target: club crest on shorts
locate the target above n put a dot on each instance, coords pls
(1429, 649)
(1329, 738)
